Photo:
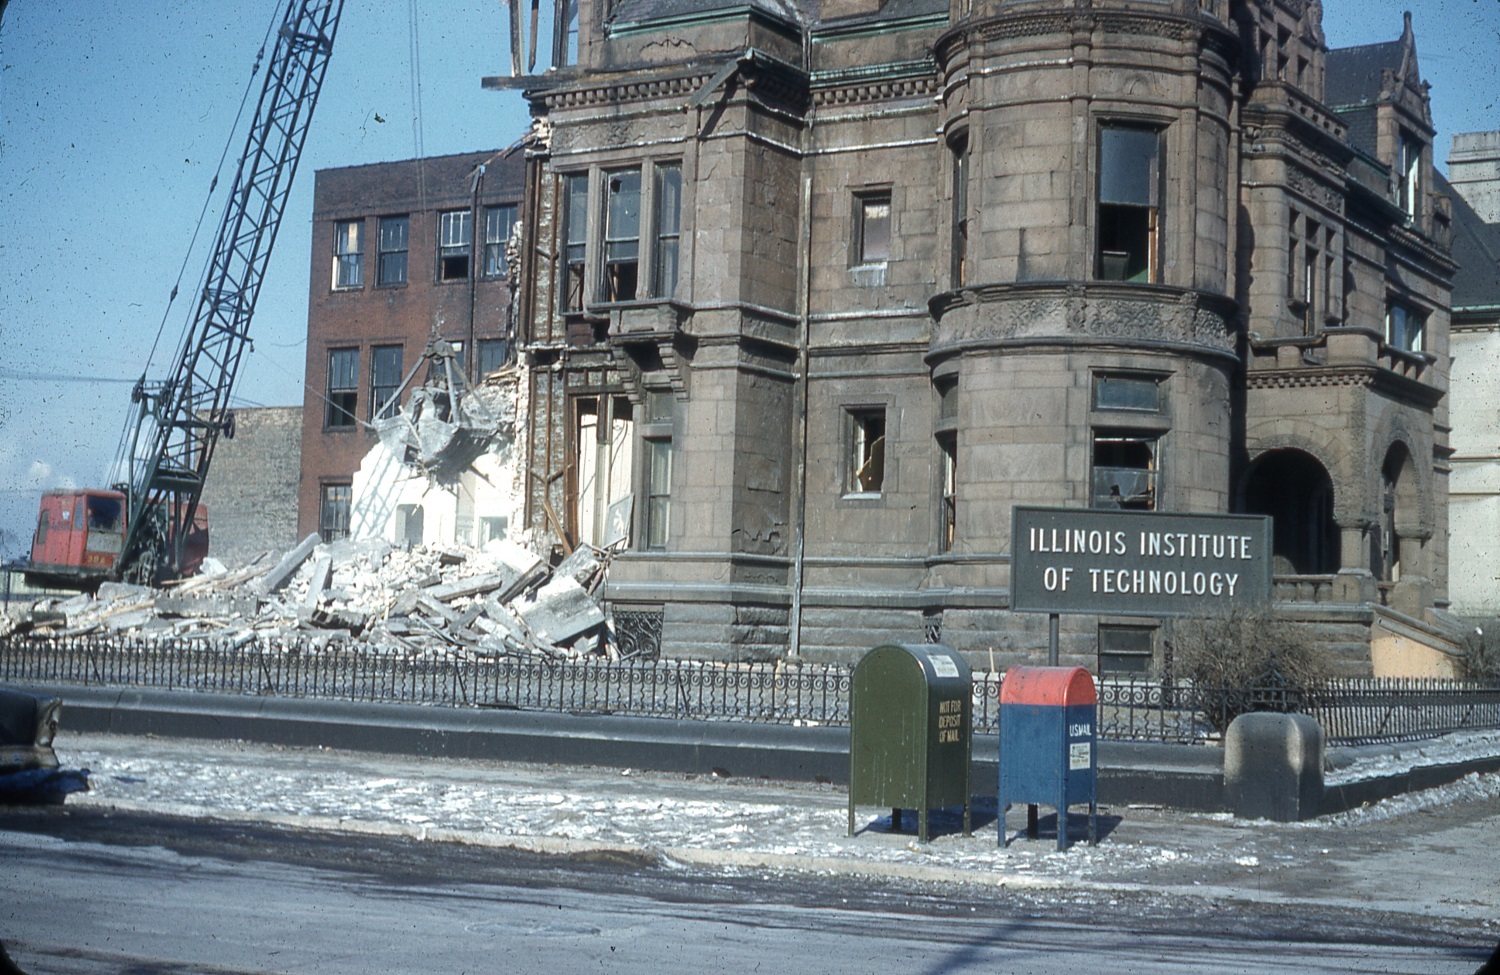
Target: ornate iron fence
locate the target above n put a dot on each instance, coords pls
(765, 692)
(1357, 710)
(1354, 710)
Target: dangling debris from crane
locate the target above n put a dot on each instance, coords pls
(446, 424)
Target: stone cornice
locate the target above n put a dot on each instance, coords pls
(875, 90)
(772, 80)
(1367, 376)
(635, 89)
(1210, 35)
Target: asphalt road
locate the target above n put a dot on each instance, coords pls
(95, 891)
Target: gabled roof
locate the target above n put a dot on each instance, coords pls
(1476, 249)
(1356, 75)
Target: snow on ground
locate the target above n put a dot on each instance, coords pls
(603, 807)
(674, 815)
(1373, 761)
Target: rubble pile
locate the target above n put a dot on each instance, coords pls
(501, 599)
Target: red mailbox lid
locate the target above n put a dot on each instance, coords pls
(1052, 687)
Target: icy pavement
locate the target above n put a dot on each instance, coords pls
(1428, 853)
(1372, 761)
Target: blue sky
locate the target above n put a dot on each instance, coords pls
(113, 115)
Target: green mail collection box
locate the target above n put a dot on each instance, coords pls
(911, 732)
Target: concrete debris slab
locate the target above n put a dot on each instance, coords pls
(125, 621)
(212, 605)
(339, 619)
(278, 577)
(318, 580)
(582, 566)
(438, 600)
(429, 606)
(561, 611)
(122, 590)
(471, 586)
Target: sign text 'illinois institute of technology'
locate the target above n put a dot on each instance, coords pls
(1075, 560)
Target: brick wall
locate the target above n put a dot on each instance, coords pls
(251, 493)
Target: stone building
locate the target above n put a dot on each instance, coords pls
(821, 291)
(1474, 174)
(403, 252)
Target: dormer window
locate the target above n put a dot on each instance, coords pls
(1408, 175)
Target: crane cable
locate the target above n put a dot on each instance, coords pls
(122, 463)
(414, 64)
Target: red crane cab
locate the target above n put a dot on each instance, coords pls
(80, 533)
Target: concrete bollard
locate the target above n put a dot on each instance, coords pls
(1273, 767)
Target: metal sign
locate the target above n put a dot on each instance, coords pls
(1136, 563)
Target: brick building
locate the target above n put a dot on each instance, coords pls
(403, 252)
(820, 292)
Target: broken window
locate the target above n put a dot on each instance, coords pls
(668, 221)
(348, 254)
(1126, 650)
(872, 228)
(622, 234)
(1405, 327)
(343, 389)
(1399, 517)
(605, 440)
(385, 381)
(1139, 393)
(492, 527)
(948, 505)
(1129, 203)
(575, 233)
(658, 490)
(455, 240)
(1408, 175)
(960, 270)
(567, 37)
(866, 451)
(1311, 266)
(333, 511)
(493, 354)
(498, 220)
(1124, 470)
(1304, 266)
(409, 519)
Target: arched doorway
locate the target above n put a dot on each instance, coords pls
(1295, 490)
(1400, 515)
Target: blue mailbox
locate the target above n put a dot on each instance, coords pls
(1048, 721)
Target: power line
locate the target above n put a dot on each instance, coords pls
(57, 377)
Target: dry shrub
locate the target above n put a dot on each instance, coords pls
(1481, 645)
(1242, 661)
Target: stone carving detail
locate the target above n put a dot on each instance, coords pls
(1005, 314)
(1314, 189)
(1009, 28)
(617, 134)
